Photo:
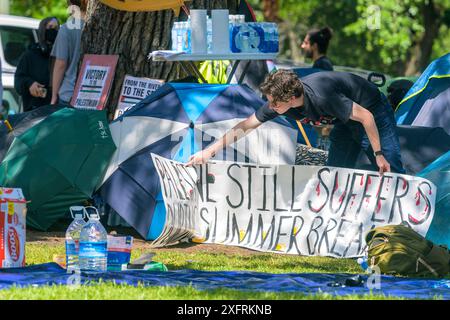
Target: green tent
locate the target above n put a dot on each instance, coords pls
(58, 163)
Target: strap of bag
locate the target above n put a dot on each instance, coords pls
(300, 126)
(434, 252)
(420, 260)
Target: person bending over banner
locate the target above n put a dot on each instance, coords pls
(362, 117)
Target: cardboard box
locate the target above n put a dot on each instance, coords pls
(13, 211)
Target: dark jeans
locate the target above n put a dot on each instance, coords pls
(347, 141)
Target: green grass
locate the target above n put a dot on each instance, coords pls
(174, 260)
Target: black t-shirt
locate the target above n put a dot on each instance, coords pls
(323, 63)
(328, 95)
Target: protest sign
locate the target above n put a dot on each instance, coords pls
(304, 210)
(135, 90)
(94, 81)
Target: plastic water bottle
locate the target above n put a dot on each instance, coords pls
(272, 38)
(255, 34)
(270, 43)
(233, 34)
(209, 34)
(189, 35)
(93, 245)
(243, 37)
(73, 238)
(180, 37)
(266, 43)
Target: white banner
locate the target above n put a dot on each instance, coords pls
(180, 193)
(304, 210)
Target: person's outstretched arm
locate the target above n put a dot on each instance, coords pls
(233, 135)
(365, 117)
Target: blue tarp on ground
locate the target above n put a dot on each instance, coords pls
(419, 147)
(306, 283)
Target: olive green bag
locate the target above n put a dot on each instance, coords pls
(399, 250)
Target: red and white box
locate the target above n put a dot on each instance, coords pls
(13, 211)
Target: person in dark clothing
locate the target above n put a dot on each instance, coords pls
(32, 78)
(362, 117)
(315, 46)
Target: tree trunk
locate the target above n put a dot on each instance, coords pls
(422, 50)
(132, 36)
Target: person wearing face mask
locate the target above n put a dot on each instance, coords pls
(315, 46)
(32, 78)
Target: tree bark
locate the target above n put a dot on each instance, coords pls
(132, 36)
(422, 50)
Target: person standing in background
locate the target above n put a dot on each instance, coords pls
(67, 53)
(315, 46)
(32, 78)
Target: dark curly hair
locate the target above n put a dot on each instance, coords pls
(282, 85)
